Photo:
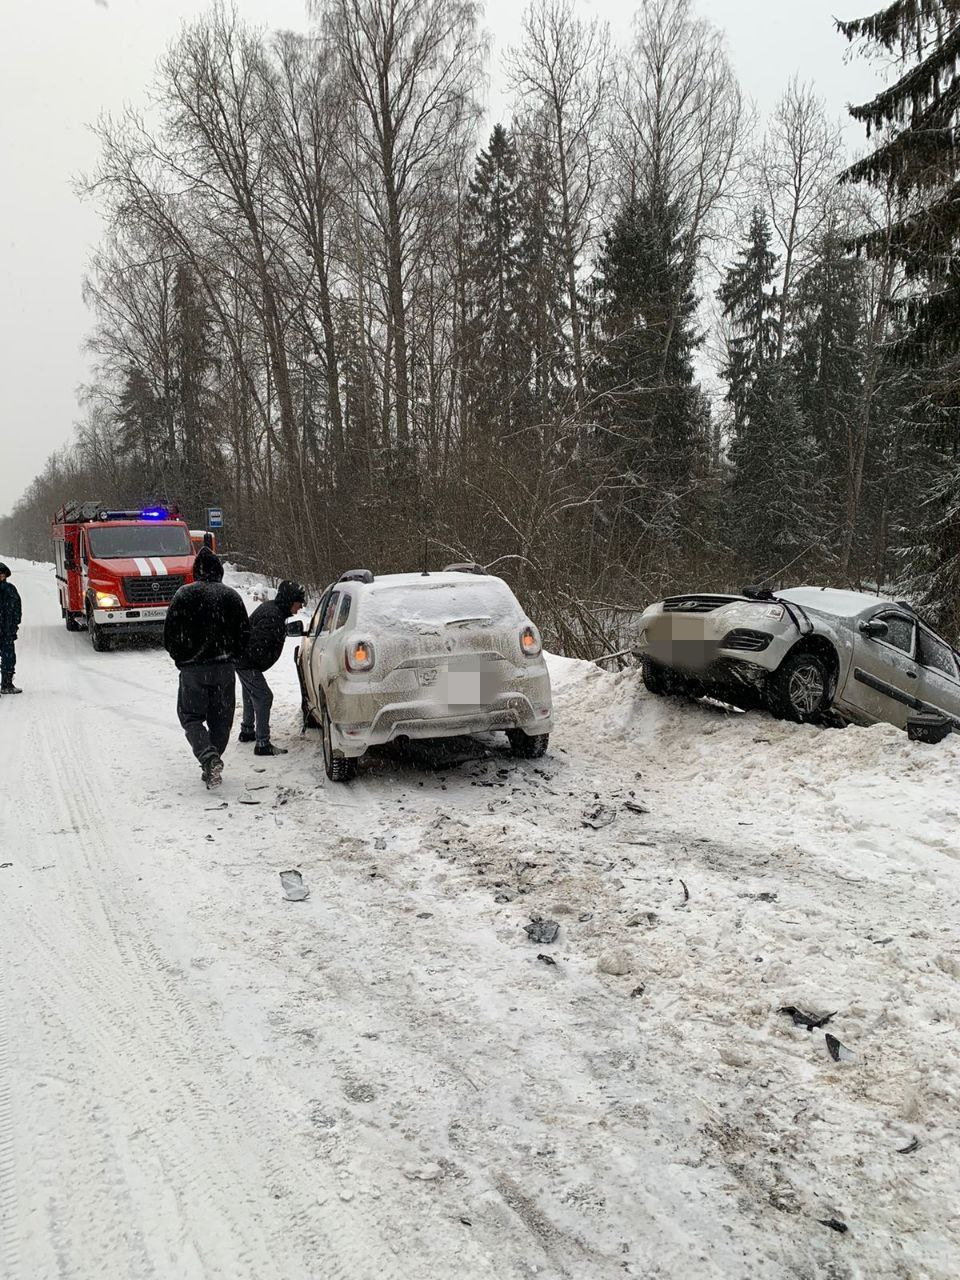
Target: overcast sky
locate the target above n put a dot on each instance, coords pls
(63, 62)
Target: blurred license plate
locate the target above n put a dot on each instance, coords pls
(464, 688)
(678, 640)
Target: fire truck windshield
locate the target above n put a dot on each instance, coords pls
(125, 541)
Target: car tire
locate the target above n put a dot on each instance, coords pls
(98, 640)
(528, 746)
(337, 768)
(799, 689)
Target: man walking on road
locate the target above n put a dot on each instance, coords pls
(205, 633)
(9, 625)
(267, 633)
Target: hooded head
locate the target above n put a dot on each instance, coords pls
(289, 594)
(4, 571)
(207, 566)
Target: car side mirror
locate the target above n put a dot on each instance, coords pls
(874, 629)
(294, 627)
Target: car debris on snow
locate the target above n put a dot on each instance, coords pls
(600, 815)
(540, 930)
(910, 1147)
(542, 955)
(293, 886)
(838, 1052)
(835, 1225)
(808, 1020)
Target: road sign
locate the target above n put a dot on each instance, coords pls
(214, 517)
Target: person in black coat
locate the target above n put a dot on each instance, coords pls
(267, 632)
(10, 614)
(205, 633)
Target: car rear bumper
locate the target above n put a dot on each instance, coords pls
(422, 719)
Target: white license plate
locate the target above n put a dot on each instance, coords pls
(151, 613)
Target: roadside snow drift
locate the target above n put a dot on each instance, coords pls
(387, 1078)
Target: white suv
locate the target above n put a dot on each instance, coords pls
(803, 653)
(421, 655)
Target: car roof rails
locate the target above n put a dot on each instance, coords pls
(356, 575)
(467, 566)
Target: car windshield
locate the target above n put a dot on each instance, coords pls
(437, 604)
(127, 541)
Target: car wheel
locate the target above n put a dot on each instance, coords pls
(528, 746)
(799, 688)
(338, 768)
(97, 639)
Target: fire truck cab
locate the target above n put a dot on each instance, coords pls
(117, 571)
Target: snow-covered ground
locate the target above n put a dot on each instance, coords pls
(201, 1079)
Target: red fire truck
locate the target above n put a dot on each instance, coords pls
(117, 571)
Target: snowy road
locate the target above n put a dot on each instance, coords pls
(200, 1079)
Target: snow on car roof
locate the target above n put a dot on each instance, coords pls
(842, 604)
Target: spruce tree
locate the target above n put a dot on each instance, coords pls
(826, 358)
(651, 412)
(917, 159)
(492, 284)
(750, 303)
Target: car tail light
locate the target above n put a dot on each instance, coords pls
(530, 641)
(360, 655)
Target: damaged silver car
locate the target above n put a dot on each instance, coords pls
(807, 653)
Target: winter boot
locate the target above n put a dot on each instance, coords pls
(246, 735)
(268, 749)
(212, 771)
(8, 686)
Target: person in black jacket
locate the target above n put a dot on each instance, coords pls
(10, 614)
(205, 633)
(265, 646)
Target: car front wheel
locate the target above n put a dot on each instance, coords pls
(799, 688)
(338, 768)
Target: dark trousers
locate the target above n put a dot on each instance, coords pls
(257, 701)
(8, 657)
(205, 706)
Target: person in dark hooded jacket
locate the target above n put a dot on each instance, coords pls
(267, 632)
(205, 633)
(9, 626)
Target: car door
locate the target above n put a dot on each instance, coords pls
(306, 650)
(319, 668)
(884, 682)
(939, 678)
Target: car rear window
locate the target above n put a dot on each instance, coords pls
(426, 603)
